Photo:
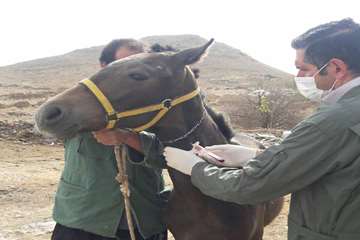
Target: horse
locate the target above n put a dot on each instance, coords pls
(157, 92)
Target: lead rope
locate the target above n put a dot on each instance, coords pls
(122, 178)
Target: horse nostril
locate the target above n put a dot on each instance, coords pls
(53, 114)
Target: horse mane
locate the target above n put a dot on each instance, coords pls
(222, 123)
(156, 48)
(218, 117)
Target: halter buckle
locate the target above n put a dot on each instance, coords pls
(112, 116)
(167, 103)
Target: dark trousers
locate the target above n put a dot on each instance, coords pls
(65, 233)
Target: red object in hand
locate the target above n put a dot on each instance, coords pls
(206, 154)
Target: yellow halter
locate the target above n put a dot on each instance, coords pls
(113, 116)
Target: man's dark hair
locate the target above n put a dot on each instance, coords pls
(159, 48)
(108, 53)
(338, 39)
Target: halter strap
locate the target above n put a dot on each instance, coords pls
(113, 116)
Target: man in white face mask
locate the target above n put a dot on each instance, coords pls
(319, 162)
(324, 84)
(307, 86)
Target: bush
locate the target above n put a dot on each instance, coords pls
(276, 108)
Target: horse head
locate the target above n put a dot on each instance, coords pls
(130, 93)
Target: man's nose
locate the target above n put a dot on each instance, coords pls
(300, 74)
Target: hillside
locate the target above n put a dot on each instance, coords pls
(225, 65)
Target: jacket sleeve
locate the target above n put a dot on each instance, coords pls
(152, 152)
(302, 158)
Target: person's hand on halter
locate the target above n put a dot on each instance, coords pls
(113, 137)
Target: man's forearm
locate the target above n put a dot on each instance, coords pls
(131, 139)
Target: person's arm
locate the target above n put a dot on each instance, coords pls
(301, 159)
(114, 137)
(144, 147)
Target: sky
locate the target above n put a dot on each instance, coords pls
(262, 29)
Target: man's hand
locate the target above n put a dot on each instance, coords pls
(181, 160)
(226, 155)
(111, 137)
(114, 137)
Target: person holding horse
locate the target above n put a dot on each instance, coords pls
(88, 202)
(319, 162)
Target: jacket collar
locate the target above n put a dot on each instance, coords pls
(337, 94)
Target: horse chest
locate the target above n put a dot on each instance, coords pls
(191, 215)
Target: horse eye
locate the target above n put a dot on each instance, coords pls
(138, 76)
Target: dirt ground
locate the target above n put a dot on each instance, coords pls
(29, 175)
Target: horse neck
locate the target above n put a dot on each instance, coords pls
(184, 117)
(181, 121)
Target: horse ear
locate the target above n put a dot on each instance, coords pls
(193, 55)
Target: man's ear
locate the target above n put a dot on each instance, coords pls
(340, 69)
(193, 55)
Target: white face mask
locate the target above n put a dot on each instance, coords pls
(307, 87)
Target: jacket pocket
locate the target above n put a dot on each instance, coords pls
(101, 167)
(75, 169)
(356, 129)
(299, 232)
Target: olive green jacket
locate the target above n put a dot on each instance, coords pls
(89, 198)
(319, 163)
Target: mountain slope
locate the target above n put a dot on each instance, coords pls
(224, 65)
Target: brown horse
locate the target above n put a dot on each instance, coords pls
(148, 79)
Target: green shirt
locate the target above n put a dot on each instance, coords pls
(319, 163)
(89, 198)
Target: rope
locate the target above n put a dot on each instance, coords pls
(122, 178)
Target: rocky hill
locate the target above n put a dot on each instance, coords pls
(224, 65)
